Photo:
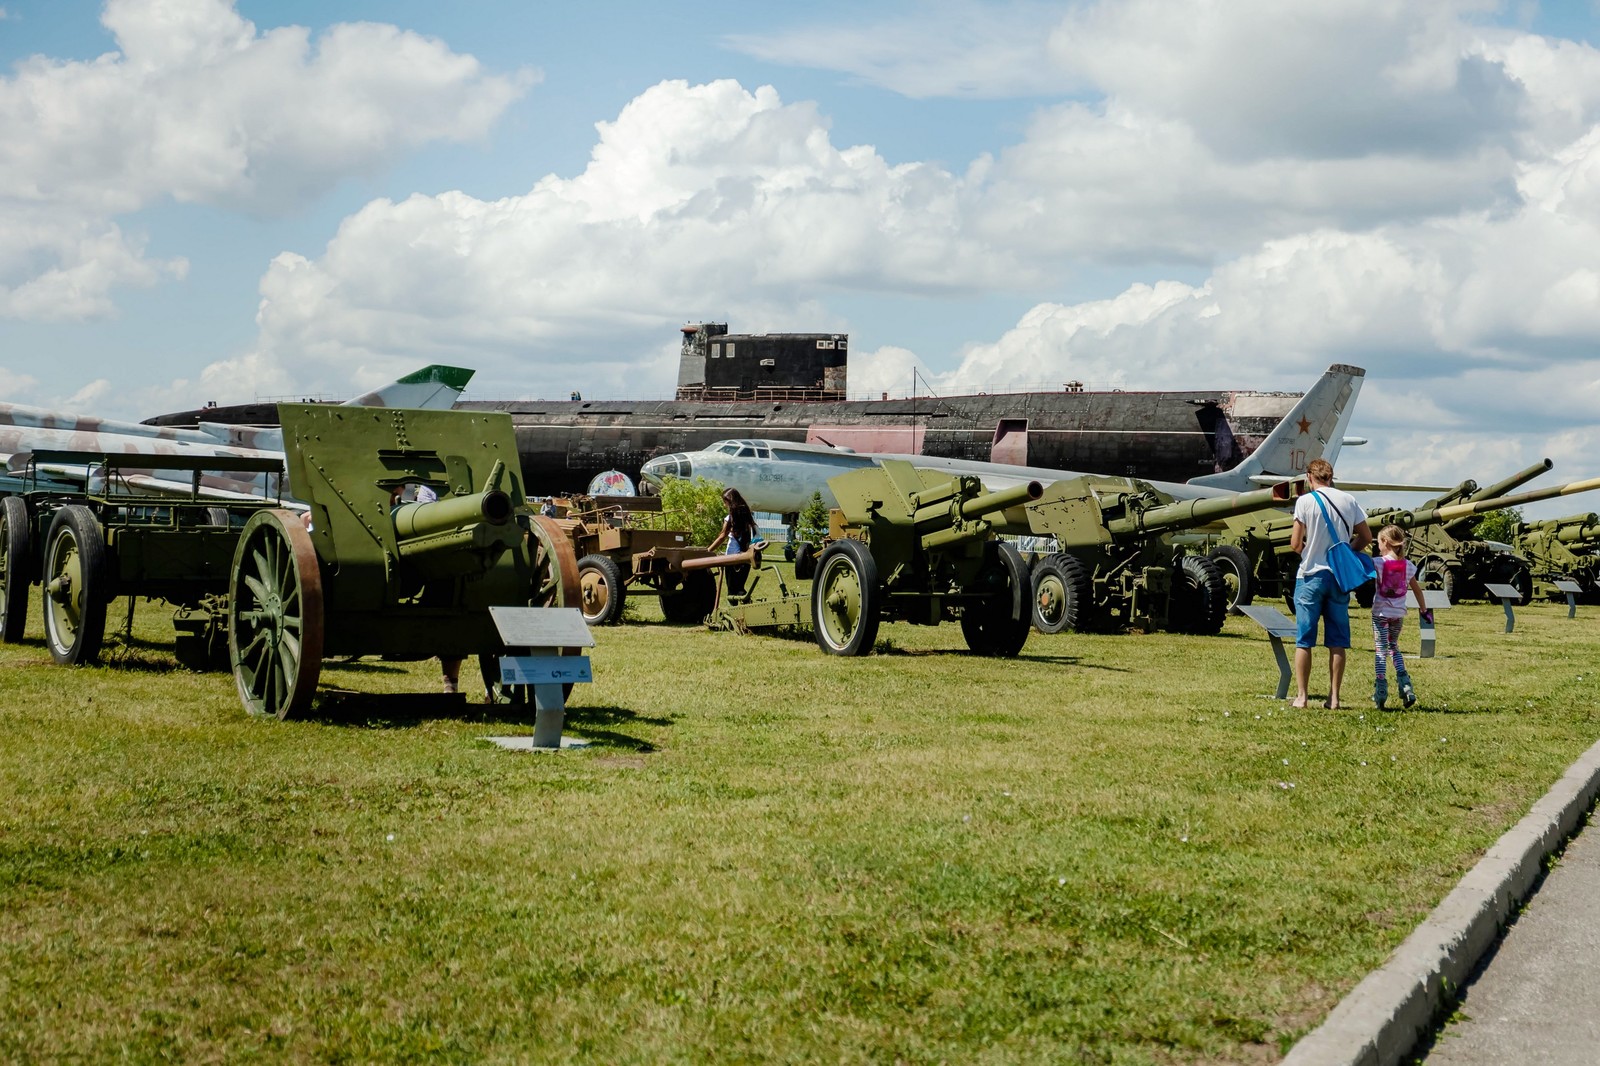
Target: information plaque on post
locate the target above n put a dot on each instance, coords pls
(1507, 595)
(1571, 589)
(535, 638)
(1437, 601)
(1279, 628)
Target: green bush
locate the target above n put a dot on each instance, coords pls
(695, 506)
(1498, 525)
(813, 522)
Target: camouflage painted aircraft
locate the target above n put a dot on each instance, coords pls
(25, 430)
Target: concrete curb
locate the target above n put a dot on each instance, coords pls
(1384, 1016)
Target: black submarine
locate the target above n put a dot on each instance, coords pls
(792, 386)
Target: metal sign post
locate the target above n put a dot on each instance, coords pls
(1506, 594)
(1279, 627)
(1437, 601)
(535, 638)
(1571, 588)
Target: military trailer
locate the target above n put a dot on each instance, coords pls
(617, 553)
(365, 573)
(120, 537)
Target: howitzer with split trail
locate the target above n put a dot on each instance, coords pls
(1119, 569)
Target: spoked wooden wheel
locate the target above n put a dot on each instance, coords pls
(16, 567)
(75, 586)
(275, 622)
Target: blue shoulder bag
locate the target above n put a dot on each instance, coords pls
(1351, 569)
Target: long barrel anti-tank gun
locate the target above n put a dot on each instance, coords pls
(1117, 567)
(1563, 549)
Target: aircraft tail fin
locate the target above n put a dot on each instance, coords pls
(433, 388)
(1313, 429)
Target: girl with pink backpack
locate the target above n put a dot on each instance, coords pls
(1395, 574)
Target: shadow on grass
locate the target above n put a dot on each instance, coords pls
(408, 710)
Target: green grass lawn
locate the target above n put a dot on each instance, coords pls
(1114, 849)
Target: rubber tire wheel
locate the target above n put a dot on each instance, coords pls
(805, 561)
(846, 601)
(16, 568)
(275, 615)
(1199, 599)
(75, 620)
(1522, 579)
(1061, 591)
(1434, 575)
(998, 625)
(1235, 564)
(602, 590)
(692, 601)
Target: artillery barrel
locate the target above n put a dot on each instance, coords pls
(1573, 529)
(1498, 489)
(939, 524)
(1436, 515)
(1188, 513)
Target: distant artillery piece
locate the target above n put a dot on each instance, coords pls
(1265, 543)
(615, 553)
(907, 544)
(116, 537)
(1117, 567)
(1563, 549)
(373, 576)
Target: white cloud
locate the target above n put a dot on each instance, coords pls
(966, 49)
(196, 105)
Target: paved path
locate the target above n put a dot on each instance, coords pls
(1537, 998)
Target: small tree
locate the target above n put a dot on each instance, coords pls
(1498, 525)
(694, 506)
(812, 524)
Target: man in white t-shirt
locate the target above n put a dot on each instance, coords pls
(1316, 595)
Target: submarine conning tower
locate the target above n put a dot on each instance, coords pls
(781, 367)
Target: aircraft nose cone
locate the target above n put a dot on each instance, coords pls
(664, 466)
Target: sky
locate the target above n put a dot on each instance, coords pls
(213, 201)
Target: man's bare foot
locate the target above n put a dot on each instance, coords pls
(1331, 703)
(1300, 702)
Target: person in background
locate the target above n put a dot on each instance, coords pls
(1316, 596)
(1395, 575)
(739, 530)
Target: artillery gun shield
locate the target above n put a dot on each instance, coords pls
(76, 586)
(16, 567)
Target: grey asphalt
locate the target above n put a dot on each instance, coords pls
(1390, 1016)
(1537, 996)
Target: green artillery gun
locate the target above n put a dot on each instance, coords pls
(1450, 559)
(1118, 567)
(120, 536)
(1564, 548)
(376, 576)
(919, 546)
(1264, 543)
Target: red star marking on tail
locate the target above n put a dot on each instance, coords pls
(1305, 424)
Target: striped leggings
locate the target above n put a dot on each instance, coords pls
(1386, 642)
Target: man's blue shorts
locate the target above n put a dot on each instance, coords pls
(1316, 597)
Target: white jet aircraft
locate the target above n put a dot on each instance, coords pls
(26, 430)
(781, 477)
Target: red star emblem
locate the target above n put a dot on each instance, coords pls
(1305, 424)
